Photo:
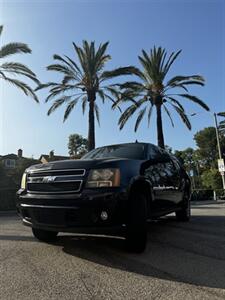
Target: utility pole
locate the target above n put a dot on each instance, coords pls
(218, 144)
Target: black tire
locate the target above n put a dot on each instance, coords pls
(136, 229)
(184, 214)
(45, 235)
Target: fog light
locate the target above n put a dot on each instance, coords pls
(104, 215)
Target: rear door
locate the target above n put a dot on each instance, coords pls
(158, 172)
(178, 181)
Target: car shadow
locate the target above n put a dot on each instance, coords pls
(169, 254)
(191, 252)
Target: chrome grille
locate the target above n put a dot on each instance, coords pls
(55, 181)
(73, 172)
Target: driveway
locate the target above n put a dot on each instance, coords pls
(182, 261)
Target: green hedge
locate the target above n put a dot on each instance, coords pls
(203, 194)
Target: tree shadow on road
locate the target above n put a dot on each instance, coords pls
(175, 252)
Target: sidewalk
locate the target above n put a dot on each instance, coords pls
(206, 202)
(5, 213)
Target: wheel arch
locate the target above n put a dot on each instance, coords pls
(142, 185)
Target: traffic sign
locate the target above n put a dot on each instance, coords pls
(221, 166)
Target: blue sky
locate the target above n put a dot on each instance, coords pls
(48, 27)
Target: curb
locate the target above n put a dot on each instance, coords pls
(4, 213)
(193, 203)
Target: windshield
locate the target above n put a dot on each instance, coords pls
(130, 151)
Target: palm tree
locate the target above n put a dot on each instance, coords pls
(153, 91)
(83, 82)
(14, 68)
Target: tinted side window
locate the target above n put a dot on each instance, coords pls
(153, 152)
(176, 163)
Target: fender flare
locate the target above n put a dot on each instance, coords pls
(142, 181)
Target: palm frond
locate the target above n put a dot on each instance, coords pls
(75, 71)
(58, 57)
(130, 70)
(129, 95)
(137, 86)
(23, 87)
(181, 79)
(168, 114)
(100, 56)
(221, 114)
(55, 105)
(14, 48)
(176, 102)
(20, 69)
(129, 112)
(69, 108)
(81, 57)
(170, 61)
(115, 104)
(149, 114)
(196, 100)
(60, 68)
(183, 116)
(59, 89)
(46, 85)
(74, 64)
(139, 118)
(84, 104)
(126, 115)
(101, 95)
(113, 91)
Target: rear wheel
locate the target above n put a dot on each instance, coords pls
(184, 214)
(45, 235)
(136, 234)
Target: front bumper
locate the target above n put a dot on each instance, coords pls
(79, 213)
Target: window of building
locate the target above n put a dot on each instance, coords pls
(10, 163)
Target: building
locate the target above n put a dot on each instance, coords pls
(12, 167)
(45, 158)
(12, 161)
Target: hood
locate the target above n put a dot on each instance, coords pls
(76, 164)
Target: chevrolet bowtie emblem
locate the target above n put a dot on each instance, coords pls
(49, 179)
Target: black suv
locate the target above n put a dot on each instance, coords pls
(111, 190)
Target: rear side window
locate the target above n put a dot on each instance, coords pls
(153, 152)
(176, 163)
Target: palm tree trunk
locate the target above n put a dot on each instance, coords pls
(91, 125)
(159, 127)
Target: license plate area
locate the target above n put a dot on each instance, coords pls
(50, 216)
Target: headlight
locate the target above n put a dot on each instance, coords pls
(24, 181)
(103, 178)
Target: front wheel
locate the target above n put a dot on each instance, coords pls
(45, 235)
(184, 214)
(136, 232)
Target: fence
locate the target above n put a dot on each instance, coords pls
(203, 194)
(8, 199)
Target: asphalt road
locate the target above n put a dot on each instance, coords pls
(182, 261)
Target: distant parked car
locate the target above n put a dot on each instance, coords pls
(111, 190)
